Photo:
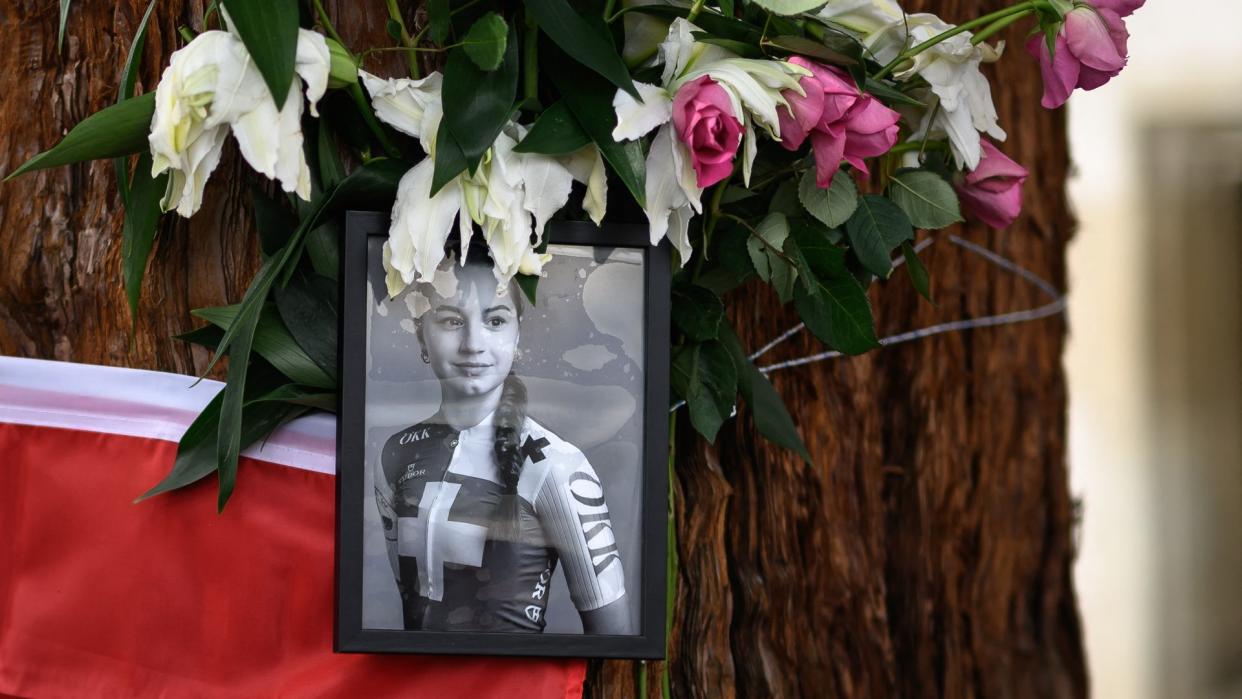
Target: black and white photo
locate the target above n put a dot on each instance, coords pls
(505, 455)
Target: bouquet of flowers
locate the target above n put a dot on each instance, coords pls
(799, 142)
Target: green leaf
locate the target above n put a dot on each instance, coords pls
(274, 222)
(837, 311)
(927, 199)
(228, 434)
(141, 216)
(370, 186)
(323, 246)
(529, 284)
(555, 132)
(308, 306)
(485, 41)
(109, 133)
(450, 159)
(765, 247)
(439, 18)
(129, 76)
(875, 229)
(64, 19)
(730, 260)
(207, 336)
(697, 311)
(814, 250)
(273, 341)
(789, 7)
(196, 453)
(302, 395)
(477, 103)
(890, 94)
(582, 41)
(767, 409)
(703, 374)
(918, 273)
(590, 100)
(718, 25)
(803, 46)
(741, 48)
(832, 206)
(331, 169)
(269, 29)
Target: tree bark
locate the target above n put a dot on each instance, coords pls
(925, 551)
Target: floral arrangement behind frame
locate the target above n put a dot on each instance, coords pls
(801, 142)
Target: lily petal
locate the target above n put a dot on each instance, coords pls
(635, 119)
(421, 223)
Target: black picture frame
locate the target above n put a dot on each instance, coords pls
(350, 636)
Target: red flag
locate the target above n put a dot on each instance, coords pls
(102, 597)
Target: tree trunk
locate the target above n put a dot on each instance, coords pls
(926, 551)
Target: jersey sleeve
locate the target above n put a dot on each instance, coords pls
(571, 507)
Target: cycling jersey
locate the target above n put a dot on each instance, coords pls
(438, 492)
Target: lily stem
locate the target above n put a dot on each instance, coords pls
(394, 13)
(987, 32)
(1021, 9)
(695, 10)
(327, 24)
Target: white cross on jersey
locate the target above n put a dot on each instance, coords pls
(434, 540)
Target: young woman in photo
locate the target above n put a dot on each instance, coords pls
(479, 502)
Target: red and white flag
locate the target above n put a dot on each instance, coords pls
(101, 597)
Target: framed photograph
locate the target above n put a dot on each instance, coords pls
(502, 463)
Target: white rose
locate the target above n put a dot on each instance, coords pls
(951, 68)
(864, 17)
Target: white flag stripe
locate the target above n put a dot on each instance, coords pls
(139, 403)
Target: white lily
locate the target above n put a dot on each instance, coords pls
(211, 86)
(412, 107)
(754, 89)
(635, 119)
(587, 166)
(672, 195)
(951, 68)
(510, 197)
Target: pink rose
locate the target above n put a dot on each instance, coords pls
(1090, 49)
(841, 121)
(993, 191)
(703, 117)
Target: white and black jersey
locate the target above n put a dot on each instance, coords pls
(439, 491)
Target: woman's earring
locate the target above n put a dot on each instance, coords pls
(426, 359)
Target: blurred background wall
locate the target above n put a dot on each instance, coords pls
(1155, 358)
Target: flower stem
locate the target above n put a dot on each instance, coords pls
(394, 13)
(695, 10)
(355, 91)
(771, 248)
(327, 23)
(1021, 9)
(919, 146)
(996, 26)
